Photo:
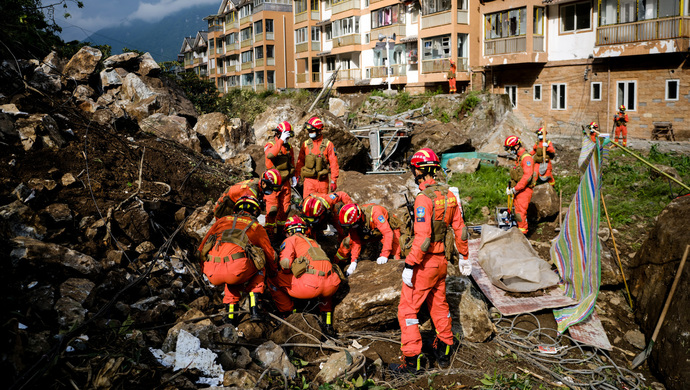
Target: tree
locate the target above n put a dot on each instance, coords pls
(202, 93)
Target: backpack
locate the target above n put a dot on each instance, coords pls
(238, 238)
(301, 265)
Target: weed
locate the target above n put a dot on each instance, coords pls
(506, 381)
(378, 92)
(484, 188)
(406, 102)
(471, 101)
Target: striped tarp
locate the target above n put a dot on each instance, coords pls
(576, 251)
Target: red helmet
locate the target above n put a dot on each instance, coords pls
(425, 159)
(295, 224)
(249, 204)
(271, 181)
(283, 127)
(593, 126)
(541, 130)
(312, 209)
(349, 215)
(512, 142)
(314, 124)
(621, 108)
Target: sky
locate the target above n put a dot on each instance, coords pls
(98, 14)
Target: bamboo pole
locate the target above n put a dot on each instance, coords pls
(615, 248)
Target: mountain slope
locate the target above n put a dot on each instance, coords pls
(162, 39)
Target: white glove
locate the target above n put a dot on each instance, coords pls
(293, 181)
(510, 191)
(351, 269)
(465, 266)
(284, 136)
(407, 276)
(544, 144)
(382, 260)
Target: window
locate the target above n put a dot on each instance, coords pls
(511, 91)
(270, 51)
(269, 25)
(246, 33)
(230, 39)
(595, 89)
(414, 14)
(536, 96)
(462, 5)
(270, 77)
(259, 78)
(626, 94)
(463, 48)
(346, 26)
(246, 11)
(558, 100)
(259, 52)
(246, 56)
(329, 32)
(506, 24)
(575, 17)
(538, 21)
(316, 34)
(388, 15)
(258, 27)
(434, 6)
(300, 6)
(301, 35)
(436, 47)
(672, 87)
(367, 38)
(315, 5)
(330, 64)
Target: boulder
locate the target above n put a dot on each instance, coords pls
(240, 379)
(671, 171)
(111, 78)
(39, 254)
(124, 60)
(338, 364)
(69, 312)
(372, 297)
(243, 162)
(265, 122)
(204, 330)
(134, 223)
(441, 137)
(270, 355)
(199, 222)
(467, 305)
(45, 81)
(309, 324)
(77, 289)
(17, 219)
(610, 271)
(462, 165)
(234, 359)
(258, 158)
(338, 107)
(134, 89)
(188, 354)
(82, 65)
(83, 93)
(544, 203)
(222, 136)
(148, 66)
(386, 190)
(653, 269)
(8, 133)
(39, 130)
(53, 63)
(171, 127)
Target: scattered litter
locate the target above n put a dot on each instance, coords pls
(22, 326)
(356, 344)
(32, 284)
(189, 354)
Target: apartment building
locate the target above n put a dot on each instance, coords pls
(565, 63)
(247, 45)
(194, 53)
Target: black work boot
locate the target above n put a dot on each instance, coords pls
(442, 352)
(231, 318)
(409, 365)
(254, 313)
(327, 319)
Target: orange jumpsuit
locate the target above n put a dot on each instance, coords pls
(318, 184)
(451, 80)
(226, 263)
(332, 202)
(550, 154)
(621, 121)
(430, 268)
(320, 281)
(523, 188)
(282, 157)
(232, 194)
(375, 228)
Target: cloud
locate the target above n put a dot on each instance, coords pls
(151, 12)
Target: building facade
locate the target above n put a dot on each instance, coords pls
(194, 54)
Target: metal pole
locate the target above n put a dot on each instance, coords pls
(389, 62)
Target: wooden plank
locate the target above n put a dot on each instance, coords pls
(591, 332)
(510, 305)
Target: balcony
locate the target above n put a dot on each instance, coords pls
(463, 17)
(231, 25)
(247, 88)
(270, 61)
(462, 64)
(437, 65)
(315, 77)
(197, 61)
(260, 88)
(437, 19)
(316, 46)
(301, 47)
(270, 36)
(646, 30)
(397, 29)
(505, 46)
(213, 71)
(345, 6)
(271, 86)
(301, 78)
(246, 43)
(259, 62)
(538, 43)
(383, 71)
(246, 65)
(258, 37)
(350, 74)
(315, 15)
(245, 19)
(232, 46)
(299, 18)
(346, 40)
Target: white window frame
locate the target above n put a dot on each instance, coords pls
(555, 99)
(623, 94)
(534, 92)
(315, 34)
(591, 91)
(511, 91)
(668, 89)
(301, 35)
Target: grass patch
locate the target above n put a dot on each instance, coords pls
(486, 187)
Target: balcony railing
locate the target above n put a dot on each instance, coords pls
(246, 65)
(463, 16)
(353, 39)
(258, 37)
(270, 36)
(259, 62)
(538, 43)
(271, 86)
(316, 46)
(270, 61)
(461, 63)
(437, 65)
(245, 19)
(248, 87)
(437, 19)
(383, 71)
(646, 30)
(350, 74)
(301, 17)
(301, 47)
(315, 15)
(213, 71)
(505, 46)
(345, 6)
(197, 61)
(246, 43)
(301, 78)
(398, 29)
(260, 88)
(315, 77)
(232, 46)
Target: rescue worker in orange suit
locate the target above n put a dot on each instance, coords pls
(593, 130)
(317, 161)
(451, 77)
(305, 272)
(269, 182)
(543, 169)
(226, 261)
(424, 275)
(522, 180)
(318, 210)
(279, 155)
(620, 120)
(367, 223)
